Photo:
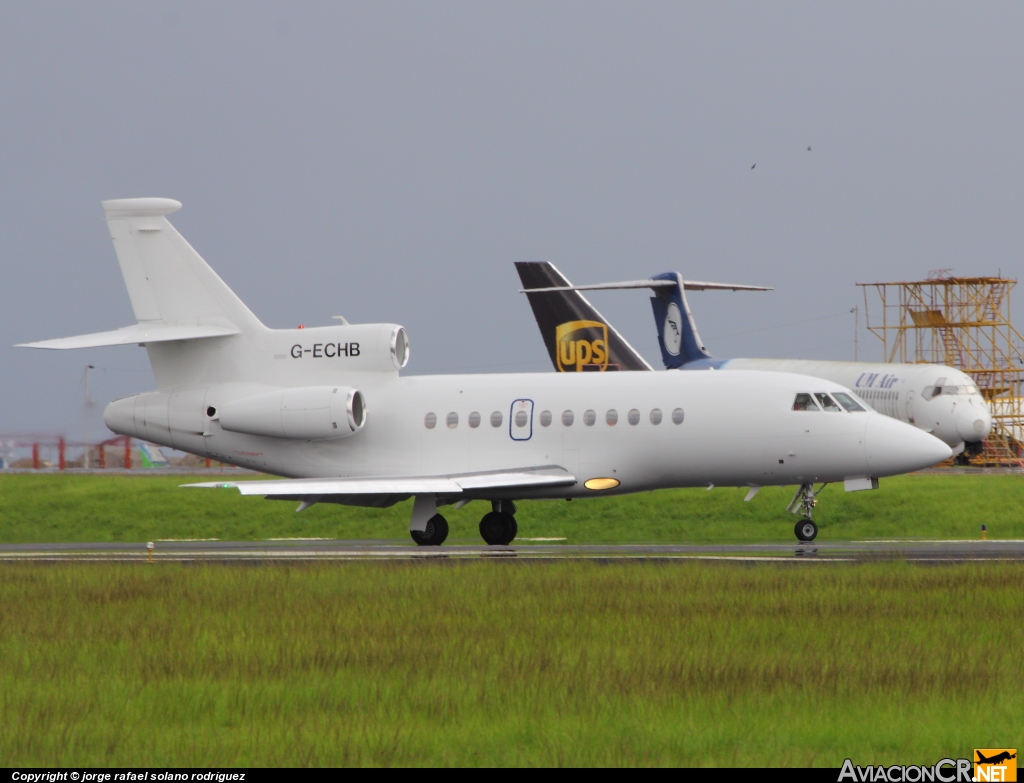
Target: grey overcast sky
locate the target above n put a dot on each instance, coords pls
(389, 162)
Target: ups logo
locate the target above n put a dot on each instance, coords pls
(582, 346)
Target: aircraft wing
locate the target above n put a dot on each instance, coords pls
(385, 490)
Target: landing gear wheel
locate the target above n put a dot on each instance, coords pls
(434, 535)
(498, 528)
(511, 529)
(806, 530)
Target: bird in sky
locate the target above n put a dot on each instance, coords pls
(753, 167)
(808, 149)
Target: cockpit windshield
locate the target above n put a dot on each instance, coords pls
(827, 403)
(967, 389)
(849, 403)
(964, 389)
(805, 402)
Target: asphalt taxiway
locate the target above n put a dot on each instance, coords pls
(311, 550)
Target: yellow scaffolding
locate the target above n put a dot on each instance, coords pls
(963, 322)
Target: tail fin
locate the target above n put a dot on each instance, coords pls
(178, 300)
(677, 333)
(577, 336)
(168, 282)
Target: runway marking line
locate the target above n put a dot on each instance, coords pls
(934, 541)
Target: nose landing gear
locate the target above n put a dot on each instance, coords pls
(498, 527)
(803, 502)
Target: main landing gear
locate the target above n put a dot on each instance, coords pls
(498, 527)
(435, 533)
(803, 502)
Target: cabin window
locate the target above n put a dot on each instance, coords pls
(521, 418)
(804, 402)
(545, 418)
(568, 418)
(496, 419)
(612, 417)
(633, 417)
(430, 421)
(677, 416)
(474, 419)
(452, 420)
(589, 417)
(656, 416)
(827, 403)
(849, 403)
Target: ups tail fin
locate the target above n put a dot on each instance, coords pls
(168, 282)
(562, 315)
(677, 333)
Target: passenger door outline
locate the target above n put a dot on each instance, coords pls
(526, 431)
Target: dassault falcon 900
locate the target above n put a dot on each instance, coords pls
(327, 408)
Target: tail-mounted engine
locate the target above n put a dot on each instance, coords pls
(338, 350)
(305, 413)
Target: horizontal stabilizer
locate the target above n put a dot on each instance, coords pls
(454, 485)
(140, 333)
(689, 285)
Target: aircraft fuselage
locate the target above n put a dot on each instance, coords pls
(736, 428)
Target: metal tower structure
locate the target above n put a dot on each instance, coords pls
(963, 322)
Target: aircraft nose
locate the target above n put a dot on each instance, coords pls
(974, 424)
(894, 447)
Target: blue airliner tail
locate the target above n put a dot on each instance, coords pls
(677, 333)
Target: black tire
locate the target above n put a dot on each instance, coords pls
(806, 530)
(434, 535)
(494, 528)
(511, 529)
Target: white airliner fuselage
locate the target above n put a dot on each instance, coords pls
(940, 400)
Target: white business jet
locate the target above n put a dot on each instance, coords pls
(327, 408)
(937, 399)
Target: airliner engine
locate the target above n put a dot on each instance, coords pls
(306, 413)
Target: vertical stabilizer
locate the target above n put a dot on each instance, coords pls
(168, 282)
(577, 336)
(677, 332)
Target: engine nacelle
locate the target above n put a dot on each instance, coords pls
(339, 350)
(305, 413)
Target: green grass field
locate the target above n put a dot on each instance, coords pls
(498, 662)
(69, 508)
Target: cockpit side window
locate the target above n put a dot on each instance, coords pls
(827, 403)
(805, 402)
(849, 403)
